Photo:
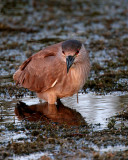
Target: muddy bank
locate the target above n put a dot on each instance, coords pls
(63, 142)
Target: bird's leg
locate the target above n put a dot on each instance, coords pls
(48, 96)
(40, 100)
(77, 98)
(51, 98)
(58, 102)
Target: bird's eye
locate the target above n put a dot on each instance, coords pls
(77, 52)
(63, 52)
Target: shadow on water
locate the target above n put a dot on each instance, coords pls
(94, 109)
(49, 112)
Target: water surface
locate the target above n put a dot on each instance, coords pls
(95, 109)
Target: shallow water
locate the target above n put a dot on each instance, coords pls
(95, 109)
(34, 156)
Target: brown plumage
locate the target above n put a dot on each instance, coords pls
(57, 71)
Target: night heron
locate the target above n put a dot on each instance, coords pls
(58, 71)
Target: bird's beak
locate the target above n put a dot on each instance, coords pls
(69, 61)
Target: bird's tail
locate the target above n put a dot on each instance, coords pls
(19, 75)
(16, 76)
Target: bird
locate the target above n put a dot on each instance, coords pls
(57, 71)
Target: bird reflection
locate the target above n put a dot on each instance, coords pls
(49, 112)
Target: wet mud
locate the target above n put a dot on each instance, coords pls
(30, 131)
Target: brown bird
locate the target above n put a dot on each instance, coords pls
(57, 71)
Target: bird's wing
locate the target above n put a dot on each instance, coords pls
(41, 71)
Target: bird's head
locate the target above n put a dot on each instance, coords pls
(71, 51)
